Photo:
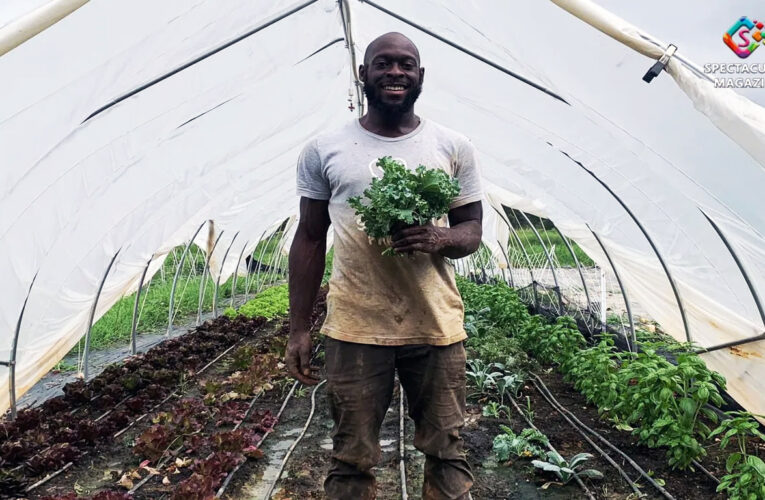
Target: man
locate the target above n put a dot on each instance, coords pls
(386, 313)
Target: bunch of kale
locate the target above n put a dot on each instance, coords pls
(403, 198)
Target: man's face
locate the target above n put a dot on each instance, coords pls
(392, 77)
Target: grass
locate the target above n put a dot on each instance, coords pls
(116, 324)
(536, 252)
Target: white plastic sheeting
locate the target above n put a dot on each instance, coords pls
(219, 140)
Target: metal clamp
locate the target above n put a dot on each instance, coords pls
(661, 64)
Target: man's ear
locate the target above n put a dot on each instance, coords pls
(362, 73)
(422, 75)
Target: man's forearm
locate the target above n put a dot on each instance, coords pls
(306, 268)
(462, 239)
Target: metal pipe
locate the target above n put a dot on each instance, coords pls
(204, 56)
(633, 340)
(549, 260)
(509, 264)
(730, 344)
(740, 265)
(11, 364)
(277, 257)
(578, 267)
(260, 261)
(236, 272)
(93, 315)
(175, 279)
(135, 307)
(217, 282)
(204, 278)
(467, 51)
(672, 283)
(345, 16)
(525, 255)
(247, 278)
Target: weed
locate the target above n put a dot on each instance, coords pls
(566, 470)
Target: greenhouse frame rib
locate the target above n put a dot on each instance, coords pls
(547, 256)
(672, 283)
(135, 306)
(11, 363)
(175, 279)
(86, 355)
(467, 51)
(204, 56)
(633, 340)
(220, 272)
(204, 278)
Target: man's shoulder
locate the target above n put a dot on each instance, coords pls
(333, 135)
(447, 134)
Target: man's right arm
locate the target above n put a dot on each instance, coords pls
(306, 268)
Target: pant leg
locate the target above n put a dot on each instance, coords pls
(434, 380)
(360, 387)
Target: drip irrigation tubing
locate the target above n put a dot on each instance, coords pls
(705, 471)
(600, 450)
(131, 424)
(294, 444)
(560, 408)
(230, 475)
(551, 447)
(401, 451)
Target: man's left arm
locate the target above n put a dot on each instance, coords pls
(459, 240)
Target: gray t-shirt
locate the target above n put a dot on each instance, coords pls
(375, 299)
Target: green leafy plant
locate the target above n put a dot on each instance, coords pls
(403, 198)
(593, 372)
(482, 376)
(566, 470)
(494, 409)
(746, 473)
(271, 303)
(529, 443)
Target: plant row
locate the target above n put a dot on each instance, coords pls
(663, 404)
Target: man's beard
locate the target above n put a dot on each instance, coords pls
(391, 113)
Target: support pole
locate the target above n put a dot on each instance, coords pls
(672, 283)
(204, 278)
(175, 279)
(217, 282)
(509, 264)
(135, 307)
(525, 255)
(578, 268)
(260, 260)
(236, 272)
(93, 315)
(603, 298)
(12, 362)
(248, 278)
(740, 266)
(549, 261)
(633, 340)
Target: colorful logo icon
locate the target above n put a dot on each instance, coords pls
(744, 37)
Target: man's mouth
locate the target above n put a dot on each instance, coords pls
(394, 88)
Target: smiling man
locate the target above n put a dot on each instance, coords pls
(386, 314)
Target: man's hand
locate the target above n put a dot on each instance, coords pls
(427, 239)
(298, 358)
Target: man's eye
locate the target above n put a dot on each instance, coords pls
(408, 66)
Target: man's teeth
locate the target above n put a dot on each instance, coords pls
(393, 87)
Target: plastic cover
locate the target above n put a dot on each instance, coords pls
(219, 140)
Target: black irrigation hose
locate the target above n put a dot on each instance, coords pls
(294, 445)
(605, 455)
(401, 451)
(564, 411)
(705, 471)
(550, 446)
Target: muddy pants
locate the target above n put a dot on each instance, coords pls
(360, 382)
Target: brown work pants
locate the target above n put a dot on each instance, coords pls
(360, 381)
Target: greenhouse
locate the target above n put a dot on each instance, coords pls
(615, 309)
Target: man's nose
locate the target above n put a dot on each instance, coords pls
(395, 70)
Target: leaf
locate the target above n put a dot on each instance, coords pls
(126, 481)
(545, 466)
(166, 480)
(591, 473)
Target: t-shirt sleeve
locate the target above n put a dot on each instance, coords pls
(468, 174)
(311, 180)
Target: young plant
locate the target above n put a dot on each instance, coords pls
(566, 470)
(494, 409)
(746, 473)
(482, 376)
(529, 443)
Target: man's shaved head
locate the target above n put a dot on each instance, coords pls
(383, 40)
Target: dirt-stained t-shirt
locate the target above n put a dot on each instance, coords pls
(376, 299)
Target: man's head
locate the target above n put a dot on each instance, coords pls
(392, 75)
